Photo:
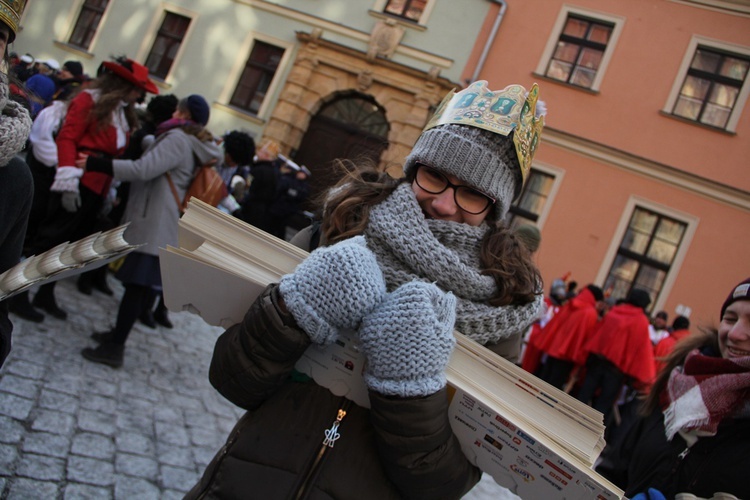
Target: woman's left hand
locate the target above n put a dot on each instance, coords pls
(408, 340)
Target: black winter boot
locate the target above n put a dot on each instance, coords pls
(103, 337)
(106, 353)
(45, 300)
(161, 314)
(147, 318)
(20, 305)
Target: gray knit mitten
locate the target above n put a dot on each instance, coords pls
(333, 289)
(408, 340)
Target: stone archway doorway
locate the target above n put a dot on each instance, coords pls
(351, 126)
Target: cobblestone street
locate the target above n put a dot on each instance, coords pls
(72, 429)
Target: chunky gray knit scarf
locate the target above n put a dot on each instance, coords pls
(15, 124)
(409, 247)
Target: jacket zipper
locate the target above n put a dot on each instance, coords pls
(331, 436)
(219, 460)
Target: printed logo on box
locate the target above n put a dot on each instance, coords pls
(467, 424)
(526, 437)
(505, 423)
(525, 475)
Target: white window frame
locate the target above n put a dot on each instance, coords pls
(691, 222)
(687, 59)
(424, 18)
(233, 78)
(567, 10)
(153, 30)
(558, 174)
(70, 25)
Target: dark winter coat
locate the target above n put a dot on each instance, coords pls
(647, 460)
(400, 448)
(260, 195)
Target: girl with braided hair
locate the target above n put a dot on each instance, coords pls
(403, 263)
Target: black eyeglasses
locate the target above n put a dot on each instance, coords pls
(467, 198)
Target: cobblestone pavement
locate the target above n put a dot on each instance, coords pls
(72, 429)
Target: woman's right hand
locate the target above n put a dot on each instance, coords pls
(333, 289)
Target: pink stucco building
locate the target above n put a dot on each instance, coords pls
(642, 176)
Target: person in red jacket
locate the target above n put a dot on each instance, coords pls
(567, 333)
(619, 351)
(98, 123)
(680, 330)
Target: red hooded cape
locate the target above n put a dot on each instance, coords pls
(566, 334)
(622, 337)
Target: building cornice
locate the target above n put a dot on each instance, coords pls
(340, 29)
(703, 186)
(386, 63)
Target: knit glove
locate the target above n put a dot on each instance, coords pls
(98, 164)
(71, 201)
(408, 340)
(333, 289)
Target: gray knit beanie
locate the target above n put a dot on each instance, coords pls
(481, 158)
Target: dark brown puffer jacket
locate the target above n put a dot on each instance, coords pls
(400, 448)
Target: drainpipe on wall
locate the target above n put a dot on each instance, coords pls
(491, 39)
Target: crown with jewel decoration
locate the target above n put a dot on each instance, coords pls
(10, 14)
(502, 112)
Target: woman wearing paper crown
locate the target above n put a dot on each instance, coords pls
(694, 433)
(16, 188)
(98, 123)
(407, 261)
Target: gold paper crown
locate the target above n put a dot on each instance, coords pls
(500, 112)
(10, 14)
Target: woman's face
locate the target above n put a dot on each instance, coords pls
(443, 206)
(134, 95)
(180, 114)
(734, 330)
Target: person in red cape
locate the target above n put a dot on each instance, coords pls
(619, 351)
(532, 355)
(680, 330)
(98, 122)
(567, 333)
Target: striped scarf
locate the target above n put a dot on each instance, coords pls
(704, 391)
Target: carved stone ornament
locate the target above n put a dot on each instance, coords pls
(384, 39)
(364, 80)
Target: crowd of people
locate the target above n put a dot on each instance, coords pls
(102, 153)
(403, 262)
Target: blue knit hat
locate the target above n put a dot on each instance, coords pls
(198, 108)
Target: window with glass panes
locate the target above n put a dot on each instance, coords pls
(167, 43)
(646, 254)
(408, 9)
(259, 71)
(711, 86)
(533, 198)
(87, 23)
(579, 51)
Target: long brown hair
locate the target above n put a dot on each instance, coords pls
(705, 337)
(346, 211)
(113, 91)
